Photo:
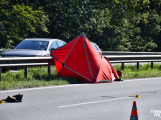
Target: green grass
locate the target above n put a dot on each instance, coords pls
(38, 76)
(145, 71)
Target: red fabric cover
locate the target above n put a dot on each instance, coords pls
(105, 72)
(113, 69)
(79, 59)
(119, 73)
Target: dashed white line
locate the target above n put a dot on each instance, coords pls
(85, 103)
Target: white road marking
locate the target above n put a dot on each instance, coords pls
(60, 86)
(141, 79)
(93, 102)
(40, 88)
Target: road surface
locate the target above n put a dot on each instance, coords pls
(105, 101)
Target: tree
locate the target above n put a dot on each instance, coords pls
(18, 21)
(124, 25)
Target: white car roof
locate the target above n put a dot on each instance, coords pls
(41, 39)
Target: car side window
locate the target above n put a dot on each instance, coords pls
(60, 43)
(95, 46)
(53, 45)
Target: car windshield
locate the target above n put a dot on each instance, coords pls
(33, 45)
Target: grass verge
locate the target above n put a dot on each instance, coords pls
(145, 71)
(38, 76)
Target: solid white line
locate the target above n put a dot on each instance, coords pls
(60, 86)
(141, 79)
(40, 88)
(92, 102)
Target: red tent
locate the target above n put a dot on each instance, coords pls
(79, 59)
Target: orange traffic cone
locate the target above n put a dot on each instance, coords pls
(134, 112)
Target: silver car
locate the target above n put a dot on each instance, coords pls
(33, 47)
(97, 48)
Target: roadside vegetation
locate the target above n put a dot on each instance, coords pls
(38, 76)
(145, 71)
(115, 25)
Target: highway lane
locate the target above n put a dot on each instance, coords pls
(105, 101)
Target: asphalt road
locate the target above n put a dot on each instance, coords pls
(105, 101)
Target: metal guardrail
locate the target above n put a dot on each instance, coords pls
(104, 53)
(48, 61)
(134, 59)
(25, 62)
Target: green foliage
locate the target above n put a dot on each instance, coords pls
(18, 21)
(121, 25)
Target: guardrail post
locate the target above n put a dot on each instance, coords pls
(49, 69)
(25, 71)
(122, 66)
(0, 73)
(152, 65)
(138, 65)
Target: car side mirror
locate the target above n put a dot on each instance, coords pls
(12, 47)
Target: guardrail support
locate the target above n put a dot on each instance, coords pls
(138, 65)
(152, 65)
(0, 73)
(25, 71)
(122, 66)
